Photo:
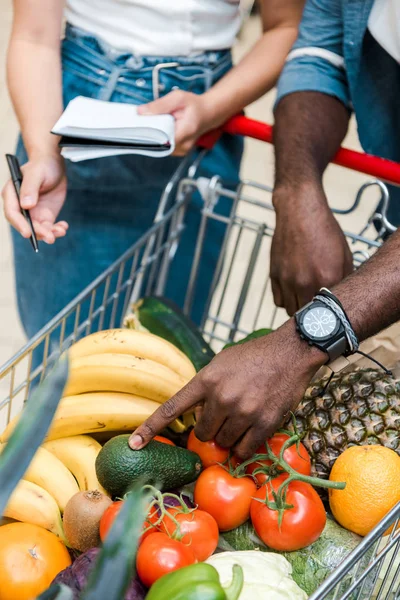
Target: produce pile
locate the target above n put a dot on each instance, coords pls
(207, 525)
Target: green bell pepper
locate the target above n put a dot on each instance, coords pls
(196, 582)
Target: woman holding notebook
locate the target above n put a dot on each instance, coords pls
(172, 57)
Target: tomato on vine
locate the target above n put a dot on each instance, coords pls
(194, 528)
(296, 456)
(225, 496)
(158, 555)
(164, 440)
(290, 522)
(111, 513)
(210, 452)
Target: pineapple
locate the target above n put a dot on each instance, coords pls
(360, 407)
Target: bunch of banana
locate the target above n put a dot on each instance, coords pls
(60, 469)
(78, 454)
(117, 380)
(31, 503)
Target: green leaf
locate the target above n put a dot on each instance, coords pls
(31, 430)
(57, 592)
(115, 565)
(252, 336)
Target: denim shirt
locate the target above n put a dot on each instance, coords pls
(335, 54)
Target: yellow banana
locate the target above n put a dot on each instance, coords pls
(122, 373)
(135, 343)
(30, 503)
(97, 411)
(49, 473)
(78, 454)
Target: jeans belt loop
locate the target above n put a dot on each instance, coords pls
(156, 76)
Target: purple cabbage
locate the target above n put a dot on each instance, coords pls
(170, 501)
(76, 576)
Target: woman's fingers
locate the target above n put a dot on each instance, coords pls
(12, 210)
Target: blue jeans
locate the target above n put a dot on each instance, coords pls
(111, 202)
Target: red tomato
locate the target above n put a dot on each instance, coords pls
(210, 452)
(301, 525)
(224, 497)
(298, 459)
(197, 529)
(159, 555)
(112, 511)
(164, 440)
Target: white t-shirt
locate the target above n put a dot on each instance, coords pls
(384, 25)
(159, 27)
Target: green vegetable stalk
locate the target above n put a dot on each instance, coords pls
(196, 582)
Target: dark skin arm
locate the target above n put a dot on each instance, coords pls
(246, 391)
(309, 249)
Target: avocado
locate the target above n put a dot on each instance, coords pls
(170, 467)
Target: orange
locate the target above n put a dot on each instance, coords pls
(372, 476)
(30, 558)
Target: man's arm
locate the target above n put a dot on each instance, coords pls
(312, 113)
(246, 391)
(309, 249)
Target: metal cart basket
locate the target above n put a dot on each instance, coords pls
(239, 301)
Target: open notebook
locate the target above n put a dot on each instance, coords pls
(92, 128)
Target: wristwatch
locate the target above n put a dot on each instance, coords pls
(318, 325)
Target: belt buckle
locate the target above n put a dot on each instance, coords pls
(156, 76)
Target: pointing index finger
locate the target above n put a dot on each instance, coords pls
(186, 398)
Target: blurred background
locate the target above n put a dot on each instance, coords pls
(341, 185)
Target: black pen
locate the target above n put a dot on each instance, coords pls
(16, 176)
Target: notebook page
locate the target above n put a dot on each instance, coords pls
(111, 118)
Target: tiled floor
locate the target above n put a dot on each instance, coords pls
(258, 165)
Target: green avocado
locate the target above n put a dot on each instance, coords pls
(170, 467)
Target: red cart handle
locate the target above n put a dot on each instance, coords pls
(380, 168)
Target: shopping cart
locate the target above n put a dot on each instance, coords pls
(239, 301)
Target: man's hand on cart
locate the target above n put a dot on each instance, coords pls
(246, 391)
(244, 394)
(309, 250)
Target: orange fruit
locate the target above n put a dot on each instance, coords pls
(30, 558)
(372, 476)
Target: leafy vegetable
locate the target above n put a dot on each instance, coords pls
(31, 430)
(76, 576)
(265, 575)
(311, 565)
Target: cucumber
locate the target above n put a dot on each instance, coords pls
(165, 319)
(252, 336)
(170, 467)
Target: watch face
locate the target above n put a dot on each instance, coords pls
(320, 322)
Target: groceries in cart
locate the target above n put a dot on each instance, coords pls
(279, 522)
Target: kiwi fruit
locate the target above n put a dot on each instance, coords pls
(82, 519)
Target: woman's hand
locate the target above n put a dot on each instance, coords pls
(192, 113)
(43, 193)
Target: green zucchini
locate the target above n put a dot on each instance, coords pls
(252, 336)
(165, 319)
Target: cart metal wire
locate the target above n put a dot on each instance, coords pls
(239, 301)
